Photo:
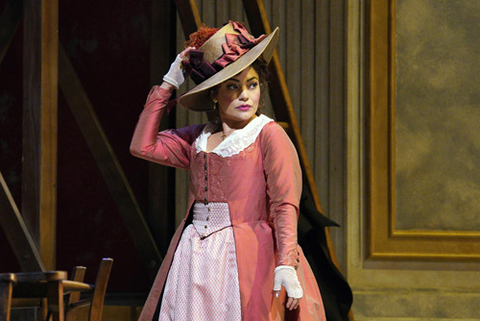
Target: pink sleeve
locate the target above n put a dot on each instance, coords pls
(169, 147)
(284, 188)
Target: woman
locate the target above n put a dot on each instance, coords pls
(237, 245)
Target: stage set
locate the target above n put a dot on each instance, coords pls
(379, 97)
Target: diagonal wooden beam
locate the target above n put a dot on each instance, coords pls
(283, 107)
(189, 15)
(281, 101)
(108, 164)
(17, 232)
(9, 22)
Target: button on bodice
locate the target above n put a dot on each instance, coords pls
(206, 179)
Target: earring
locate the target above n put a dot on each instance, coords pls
(214, 104)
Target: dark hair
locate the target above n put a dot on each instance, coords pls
(261, 67)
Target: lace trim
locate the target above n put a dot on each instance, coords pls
(236, 141)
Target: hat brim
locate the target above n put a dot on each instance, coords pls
(198, 99)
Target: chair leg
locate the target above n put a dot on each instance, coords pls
(55, 300)
(42, 311)
(96, 308)
(6, 286)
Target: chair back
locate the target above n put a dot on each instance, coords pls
(96, 308)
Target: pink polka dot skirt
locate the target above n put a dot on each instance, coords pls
(202, 283)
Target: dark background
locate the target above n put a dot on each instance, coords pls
(108, 43)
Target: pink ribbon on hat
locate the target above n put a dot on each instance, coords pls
(234, 47)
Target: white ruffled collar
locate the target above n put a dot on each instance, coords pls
(234, 143)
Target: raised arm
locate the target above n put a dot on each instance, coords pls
(169, 147)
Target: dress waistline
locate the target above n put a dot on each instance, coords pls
(210, 217)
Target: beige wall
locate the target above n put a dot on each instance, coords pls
(438, 114)
(394, 289)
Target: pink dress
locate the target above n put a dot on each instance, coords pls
(255, 174)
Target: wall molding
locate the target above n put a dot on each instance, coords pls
(424, 304)
(385, 241)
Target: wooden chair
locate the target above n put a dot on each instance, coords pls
(61, 295)
(43, 290)
(7, 280)
(78, 275)
(98, 291)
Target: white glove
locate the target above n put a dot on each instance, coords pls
(287, 276)
(174, 75)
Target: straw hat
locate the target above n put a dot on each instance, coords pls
(227, 53)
